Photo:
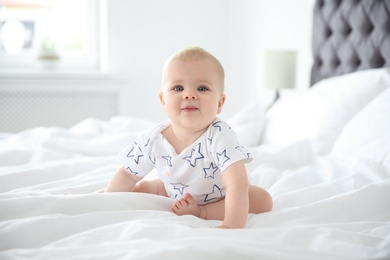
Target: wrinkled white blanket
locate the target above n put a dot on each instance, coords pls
(325, 207)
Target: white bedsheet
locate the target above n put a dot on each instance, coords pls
(325, 207)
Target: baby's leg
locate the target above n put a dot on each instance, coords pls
(152, 186)
(187, 206)
(259, 202)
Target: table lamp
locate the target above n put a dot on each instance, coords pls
(279, 71)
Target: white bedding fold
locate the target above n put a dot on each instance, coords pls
(325, 207)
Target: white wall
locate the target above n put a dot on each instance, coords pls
(142, 34)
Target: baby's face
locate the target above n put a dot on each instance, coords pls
(192, 92)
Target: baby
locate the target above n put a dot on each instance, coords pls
(199, 161)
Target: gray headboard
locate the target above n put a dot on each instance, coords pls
(350, 35)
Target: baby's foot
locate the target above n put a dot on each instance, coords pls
(186, 206)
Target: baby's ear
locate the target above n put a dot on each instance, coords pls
(161, 97)
(221, 103)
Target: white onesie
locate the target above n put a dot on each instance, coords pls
(196, 170)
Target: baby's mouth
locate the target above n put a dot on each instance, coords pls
(189, 108)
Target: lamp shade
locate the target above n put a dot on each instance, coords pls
(279, 69)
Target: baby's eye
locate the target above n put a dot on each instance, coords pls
(178, 88)
(202, 88)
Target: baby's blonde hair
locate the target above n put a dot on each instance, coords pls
(196, 53)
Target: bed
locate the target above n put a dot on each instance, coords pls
(323, 154)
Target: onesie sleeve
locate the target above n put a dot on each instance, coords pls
(135, 157)
(225, 148)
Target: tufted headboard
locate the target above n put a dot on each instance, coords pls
(349, 35)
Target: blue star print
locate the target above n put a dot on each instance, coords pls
(216, 125)
(135, 153)
(152, 159)
(246, 154)
(169, 160)
(179, 186)
(195, 155)
(174, 197)
(215, 194)
(222, 158)
(209, 172)
(130, 170)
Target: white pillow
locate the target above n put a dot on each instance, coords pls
(368, 133)
(248, 123)
(320, 113)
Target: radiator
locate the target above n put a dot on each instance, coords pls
(44, 103)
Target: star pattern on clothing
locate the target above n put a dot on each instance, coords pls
(152, 159)
(207, 158)
(168, 158)
(179, 186)
(136, 153)
(147, 143)
(195, 155)
(222, 158)
(130, 170)
(217, 125)
(209, 172)
(174, 196)
(215, 194)
(243, 151)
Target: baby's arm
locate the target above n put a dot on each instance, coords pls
(123, 180)
(235, 180)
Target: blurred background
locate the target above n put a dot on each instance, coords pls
(62, 61)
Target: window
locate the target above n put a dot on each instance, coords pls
(37, 35)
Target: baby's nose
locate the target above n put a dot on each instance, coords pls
(190, 95)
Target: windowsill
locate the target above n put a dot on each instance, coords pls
(53, 74)
(83, 80)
